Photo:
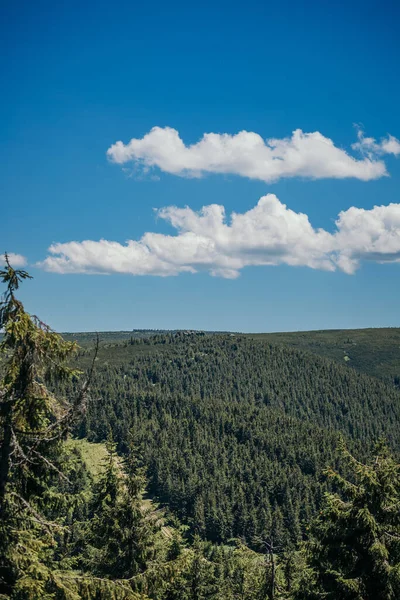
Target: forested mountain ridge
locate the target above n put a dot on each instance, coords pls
(232, 367)
(86, 338)
(372, 351)
(235, 432)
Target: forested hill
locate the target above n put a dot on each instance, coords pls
(235, 432)
(372, 351)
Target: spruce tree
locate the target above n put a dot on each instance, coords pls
(354, 552)
(34, 487)
(120, 532)
(33, 425)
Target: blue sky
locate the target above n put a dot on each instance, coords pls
(83, 76)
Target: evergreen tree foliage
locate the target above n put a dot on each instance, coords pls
(235, 432)
(33, 425)
(354, 551)
(37, 497)
(120, 533)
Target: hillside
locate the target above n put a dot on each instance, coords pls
(372, 351)
(234, 431)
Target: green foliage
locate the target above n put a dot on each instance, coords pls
(372, 351)
(42, 485)
(69, 531)
(33, 424)
(235, 433)
(354, 551)
(120, 536)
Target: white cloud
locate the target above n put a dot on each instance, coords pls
(16, 260)
(268, 234)
(368, 235)
(105, 257)
(369, 147)
(302, 155)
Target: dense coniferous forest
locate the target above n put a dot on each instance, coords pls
(235, 432)
(191, 465)
(372, 351)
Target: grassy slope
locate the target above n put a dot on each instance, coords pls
(92, 454)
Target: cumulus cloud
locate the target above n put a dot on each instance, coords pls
(16, 260)
(268, 234)
(369, 147)
(247, 154)
(368, 235)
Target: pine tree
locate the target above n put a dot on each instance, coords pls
(33, 425)
(121, 531)
(201, 580)
(354, 553)
(34, 488)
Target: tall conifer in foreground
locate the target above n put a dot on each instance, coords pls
(354, 552)
(34, 488)
(33, 425)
